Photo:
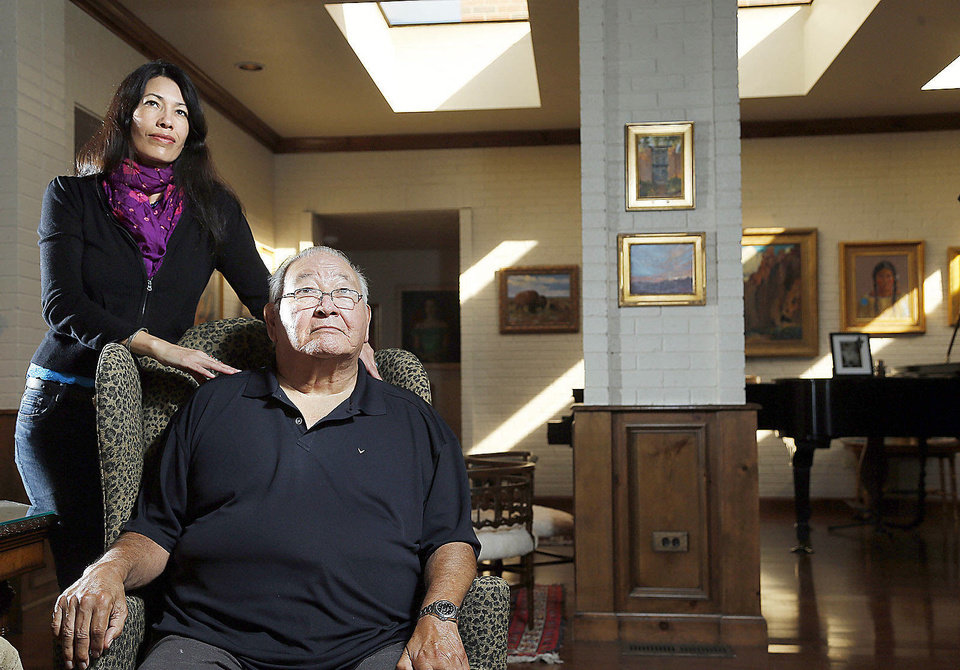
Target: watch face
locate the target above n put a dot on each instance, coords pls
(446, 609)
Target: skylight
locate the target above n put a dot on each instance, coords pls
(949, 77)
(443, 66)
(432, 12)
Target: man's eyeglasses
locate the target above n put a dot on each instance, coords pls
(309, 298)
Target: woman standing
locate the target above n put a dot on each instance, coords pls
(126, 249)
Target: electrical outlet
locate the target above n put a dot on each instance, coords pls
(671, 540)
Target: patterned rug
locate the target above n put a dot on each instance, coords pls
(540, 641)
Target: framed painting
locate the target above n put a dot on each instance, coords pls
(661, 269)
(430, 324)
(851, 354)
(953, 284)
(780, 314)
(540, 299)
(660, 170)
(881, 287)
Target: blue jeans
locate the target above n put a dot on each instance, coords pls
(56, 453)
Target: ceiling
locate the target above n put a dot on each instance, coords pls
(314, 95)
(313, 85)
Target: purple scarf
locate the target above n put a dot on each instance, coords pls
(128, 189)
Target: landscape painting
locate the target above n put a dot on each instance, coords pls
(541, 299)
(662, 269)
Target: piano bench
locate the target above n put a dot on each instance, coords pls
(944, 449)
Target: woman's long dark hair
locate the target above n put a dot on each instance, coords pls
(877, 269)
(193, 170)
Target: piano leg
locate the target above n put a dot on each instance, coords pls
(802, 462)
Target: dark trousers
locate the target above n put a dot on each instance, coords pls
(56, 453)
(181, 653)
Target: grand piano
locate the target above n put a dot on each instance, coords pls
(916, 401)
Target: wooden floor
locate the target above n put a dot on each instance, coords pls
(861, 602)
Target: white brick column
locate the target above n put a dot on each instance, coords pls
(34, 144)
(661, 60)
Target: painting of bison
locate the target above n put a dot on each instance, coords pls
(541, 299)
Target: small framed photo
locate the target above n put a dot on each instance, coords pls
(540, 299)
(780, 315)
(881, 287)
(953, 279)
(851, 354)
(661, 269)
(660, 170)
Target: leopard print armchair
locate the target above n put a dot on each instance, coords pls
(136, 399)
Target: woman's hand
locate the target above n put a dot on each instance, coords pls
(366, 356)
(198, 364)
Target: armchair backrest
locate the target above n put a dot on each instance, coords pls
(134, 407)
(401, 368)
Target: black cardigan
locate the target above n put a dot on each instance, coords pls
(94, 287)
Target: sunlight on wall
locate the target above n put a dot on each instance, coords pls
(534, 414)
(933, 292)
(483, 273)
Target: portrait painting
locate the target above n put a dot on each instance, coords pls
(661, 269)
(430, 324)
(780, 314)
(539, 299)
(882, 287)
(660, 168)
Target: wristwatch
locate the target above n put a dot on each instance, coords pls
(442, 609)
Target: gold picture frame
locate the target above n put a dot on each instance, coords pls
(539, 299)
(780, 310)
(881, 287)
(661, 269)
(953, 284)
(660, 169)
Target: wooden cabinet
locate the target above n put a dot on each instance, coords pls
(667, 544)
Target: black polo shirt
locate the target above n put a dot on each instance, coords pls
(295, 546)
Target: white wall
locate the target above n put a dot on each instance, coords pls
(854, 188)
(33, 142)
(526, 198)
(645, 61)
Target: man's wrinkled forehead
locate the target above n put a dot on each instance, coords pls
(319, 269)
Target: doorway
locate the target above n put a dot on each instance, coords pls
(412, 262)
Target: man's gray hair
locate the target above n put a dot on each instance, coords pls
(278, 278)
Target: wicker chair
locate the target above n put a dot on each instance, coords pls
(133, 410)
(502, 501)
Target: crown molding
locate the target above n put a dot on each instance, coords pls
(475, 140)
(849, 126)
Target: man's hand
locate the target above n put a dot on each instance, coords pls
(434, 645)
(89, 615)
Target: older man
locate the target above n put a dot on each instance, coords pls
(311, 517)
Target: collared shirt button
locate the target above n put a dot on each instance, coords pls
(299, 420)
